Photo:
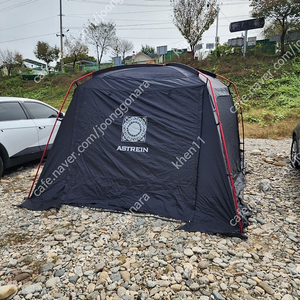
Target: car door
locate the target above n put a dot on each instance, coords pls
(44, 118)
(18, 134)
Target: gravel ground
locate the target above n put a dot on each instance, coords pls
(78, 253)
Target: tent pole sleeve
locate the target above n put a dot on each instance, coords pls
(225, 151)
(242, 117)
(51, 133)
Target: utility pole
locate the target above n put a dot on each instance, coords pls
(217, 23)
(61, 39)
(217, 29)
(245, 42)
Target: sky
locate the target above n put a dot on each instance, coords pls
(25, 22)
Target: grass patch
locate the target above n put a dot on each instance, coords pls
(270, 110)
(34, 265)
(14, 238)
(278, 130)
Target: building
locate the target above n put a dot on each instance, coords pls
(142, 58)
(33, 64)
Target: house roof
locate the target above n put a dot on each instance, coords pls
(34, 62)
(151, 56)
(85, 62)
(129, 57)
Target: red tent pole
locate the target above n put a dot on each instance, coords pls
(51, 133)
(225, 151)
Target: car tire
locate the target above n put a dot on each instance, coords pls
(1, 167)
(295, 156)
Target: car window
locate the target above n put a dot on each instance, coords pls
(40, 111)
(11, 111)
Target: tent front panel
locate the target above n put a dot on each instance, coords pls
(110, 175)
(164, 144)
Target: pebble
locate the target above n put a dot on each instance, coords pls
(266, 287)
(7, 291)
(52, 282)
(287, 297)
(188, 252)
(121, 291)
(89, 254)
(204, 264)
(31, 289)
(217, 295)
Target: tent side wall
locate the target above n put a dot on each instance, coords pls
(215, 204)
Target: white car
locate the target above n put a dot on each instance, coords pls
(25, 126)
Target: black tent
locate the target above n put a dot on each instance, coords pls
(159, 139)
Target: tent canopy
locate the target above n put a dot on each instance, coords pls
(159, 139)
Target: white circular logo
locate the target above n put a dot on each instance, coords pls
(134, 129)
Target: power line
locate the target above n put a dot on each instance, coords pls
(143, 38)
(147, 24)
(29, 37)
(160, 28)
(28, 23)
(117, 27)
(123, 4)
(83, 16)
(17, 5)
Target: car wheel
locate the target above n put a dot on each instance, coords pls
(1, 166)
(295, 156)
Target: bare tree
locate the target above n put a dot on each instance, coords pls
(11, 59)
(75, 48)
(193, 18)
(121, 46)
(101, 36)
(116, 47)
(125, 47)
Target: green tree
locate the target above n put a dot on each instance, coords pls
(147, 49)
(45, 52)
(283, 14)
(193, 18)
(75, 49)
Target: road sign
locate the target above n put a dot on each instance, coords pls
(236, 42)
(252, 41)
(117, 60)
(247, 25)
(162, 50)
